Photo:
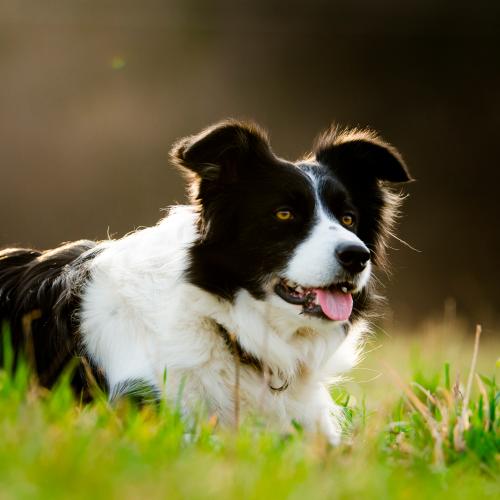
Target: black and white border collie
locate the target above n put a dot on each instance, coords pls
(261, 282)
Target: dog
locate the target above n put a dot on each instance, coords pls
(250, 299)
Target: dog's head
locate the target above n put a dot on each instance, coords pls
(307, 232)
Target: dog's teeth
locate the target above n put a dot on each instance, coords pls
(344, 289)
(299, 289)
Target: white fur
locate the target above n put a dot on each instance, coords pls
(314, 263)
(140, 318)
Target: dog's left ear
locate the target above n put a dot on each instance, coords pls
(363, 155)
(219, 151)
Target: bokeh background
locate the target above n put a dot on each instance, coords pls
(92, 94)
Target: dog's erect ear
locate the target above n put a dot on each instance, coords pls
(220, 150)
(361, 154)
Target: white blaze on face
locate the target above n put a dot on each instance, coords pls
(314, 262)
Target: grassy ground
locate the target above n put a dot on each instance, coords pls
(410, 437)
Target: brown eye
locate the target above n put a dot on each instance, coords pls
(284, 215)
(347, 220)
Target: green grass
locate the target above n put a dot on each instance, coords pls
(408, 438)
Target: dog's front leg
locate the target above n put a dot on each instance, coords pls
(318, 414)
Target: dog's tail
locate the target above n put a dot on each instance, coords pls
(13, 262)
(39, 295)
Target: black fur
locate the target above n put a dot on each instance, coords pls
(39, 299)
(137, 391)
(242, 243)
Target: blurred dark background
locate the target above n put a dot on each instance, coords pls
(92, 94)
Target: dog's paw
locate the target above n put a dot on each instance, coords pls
(329, 426)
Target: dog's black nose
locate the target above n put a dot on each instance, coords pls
(353, 257)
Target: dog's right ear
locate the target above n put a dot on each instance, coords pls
(220, 151)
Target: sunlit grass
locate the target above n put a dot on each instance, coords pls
(52, 446)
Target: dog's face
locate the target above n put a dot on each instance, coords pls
(304, 232)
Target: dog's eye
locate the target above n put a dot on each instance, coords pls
(347, 220)
(284, 214)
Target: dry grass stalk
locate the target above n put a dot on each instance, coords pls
(443, 425)
(432, 425)
(463, 422)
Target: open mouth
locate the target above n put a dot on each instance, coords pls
(333, 302)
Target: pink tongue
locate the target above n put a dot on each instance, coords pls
(336, 305)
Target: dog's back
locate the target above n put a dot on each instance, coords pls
(38, 307)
